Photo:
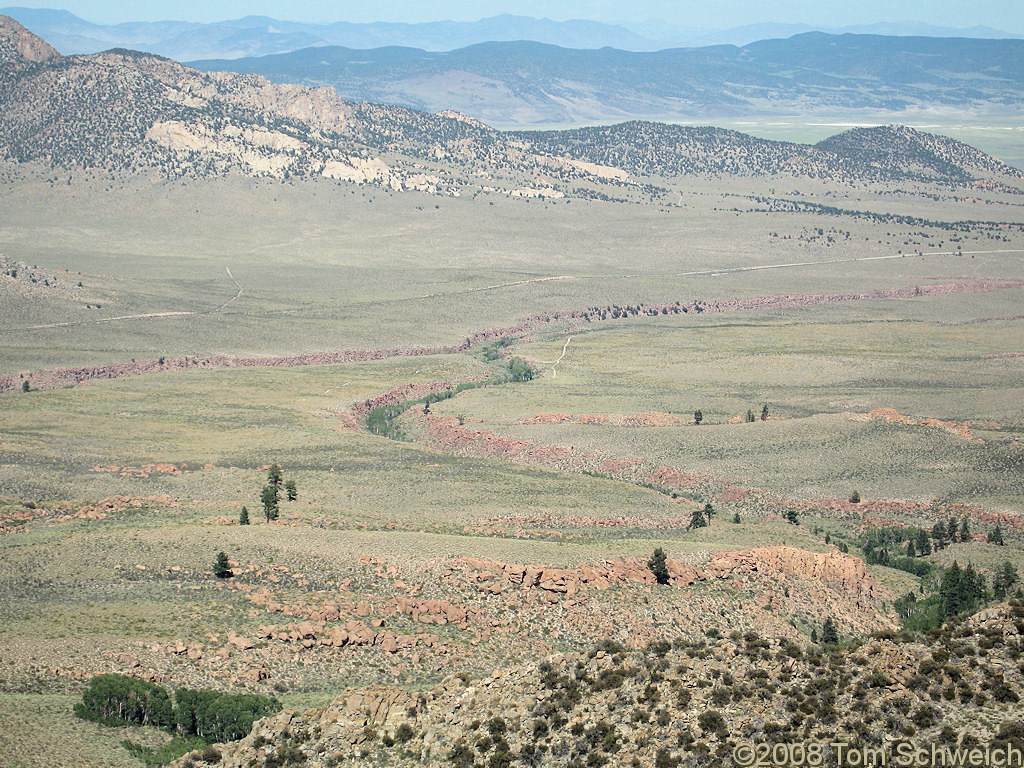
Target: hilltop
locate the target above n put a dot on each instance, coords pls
(130, 112)
(531, 83)
(262, 35)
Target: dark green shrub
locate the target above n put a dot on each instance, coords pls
(520, 370)
(496, 726)
(923, 717)
(172, 750)
(711, 721)
(210, 755)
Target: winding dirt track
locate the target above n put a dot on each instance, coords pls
(54, 379)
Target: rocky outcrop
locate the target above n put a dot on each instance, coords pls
(892, 416)
(19, 46)
(832, 567)
(675, 700)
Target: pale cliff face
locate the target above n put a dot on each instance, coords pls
(17, 42)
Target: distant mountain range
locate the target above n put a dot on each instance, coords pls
(260, 35)
(525, 83)
(132, 113)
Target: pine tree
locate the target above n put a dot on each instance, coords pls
(951, 530)
(291, 491)
(269, 499)
(855, 497)
(698, 416)
(911, 549)
(1004, 580)
(965, 531)
(995, 536)
(659, 565)
(792, 516)
(243, 516)
(736, 517)
(764, 412)
(274, 476)
(955, 591)
(939, 536)
(25, 386)
(975, 587)
(221, 567)
(829, 633)
(924, 546)
(709, 512)
(750, 416)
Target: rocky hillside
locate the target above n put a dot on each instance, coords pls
(130, 112)
(676, 702)
(878, 154)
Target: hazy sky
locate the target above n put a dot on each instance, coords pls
(716, 14)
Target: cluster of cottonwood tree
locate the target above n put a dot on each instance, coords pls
(118, 699)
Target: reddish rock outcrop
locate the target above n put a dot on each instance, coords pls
(570, 581)
(833, 567)
(892, 416)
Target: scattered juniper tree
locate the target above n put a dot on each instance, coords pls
(697, 519)
(709, 512)
(25, 386)
(698, 416)
(221, 567)
(243, 516)
(736, 517)
(291, 491)
(792, 516)
(855, 497)
(659, 566)
(750, 416)
(764, 412)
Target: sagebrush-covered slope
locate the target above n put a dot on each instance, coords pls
(128, 111)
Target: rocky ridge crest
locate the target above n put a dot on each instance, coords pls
(672, 702)
(133, 112)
